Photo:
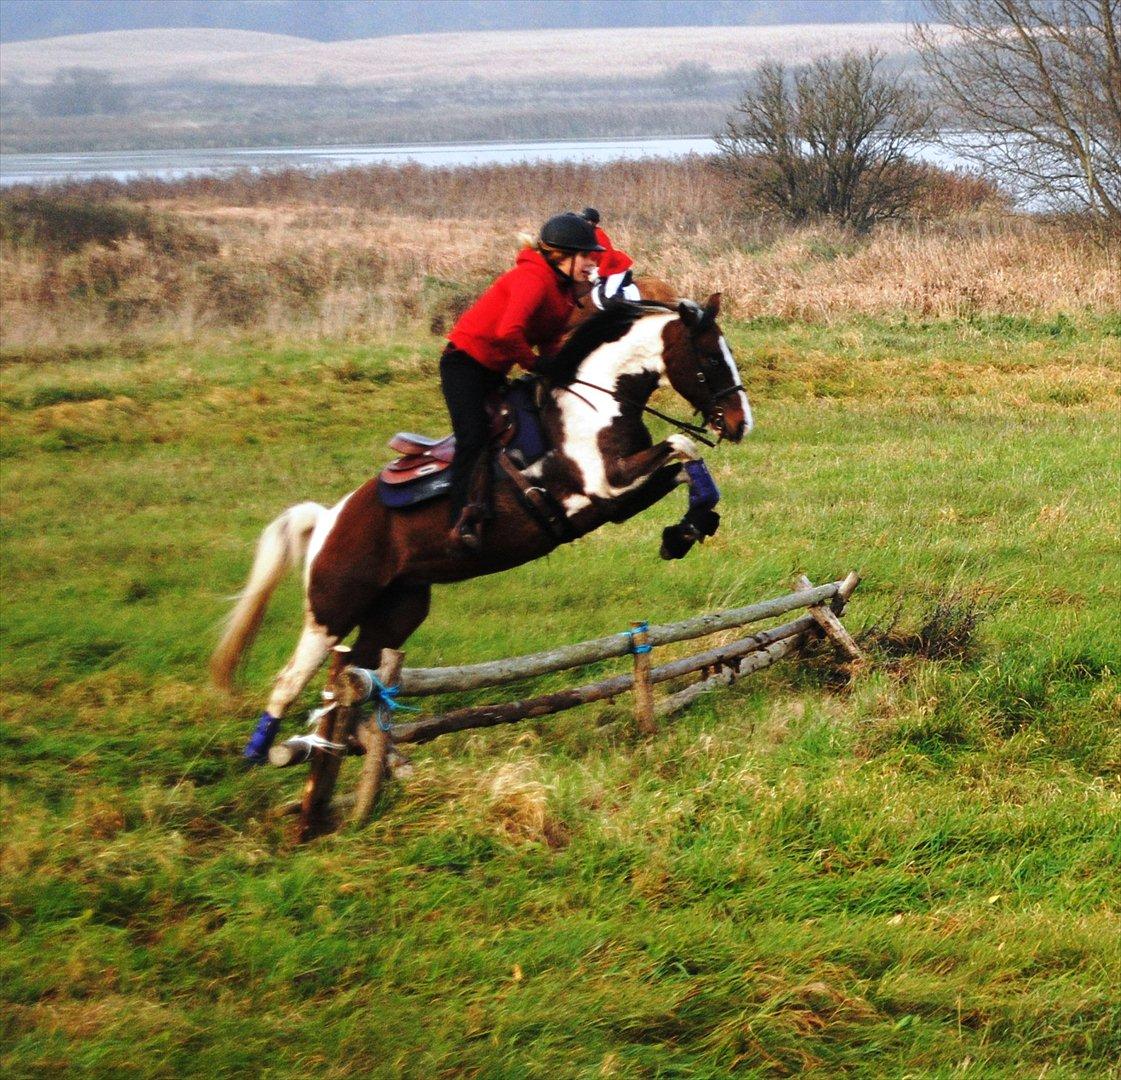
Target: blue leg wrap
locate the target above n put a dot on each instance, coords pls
(257, 749)
(703, 492)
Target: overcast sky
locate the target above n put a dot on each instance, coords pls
(334, 20)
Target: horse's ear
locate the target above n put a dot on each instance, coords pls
(712, 305)
(691, 315)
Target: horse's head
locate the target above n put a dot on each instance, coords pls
(700, 367)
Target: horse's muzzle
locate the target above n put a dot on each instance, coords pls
(729, 420)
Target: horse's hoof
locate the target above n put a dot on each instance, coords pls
(677, 540)
(706, 522)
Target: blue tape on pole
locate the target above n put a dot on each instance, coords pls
(639, 650)
(386, 696)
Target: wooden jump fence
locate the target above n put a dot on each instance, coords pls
(341, 730)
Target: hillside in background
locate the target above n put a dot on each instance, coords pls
(169, 88)
(23, 20)
(240, 56)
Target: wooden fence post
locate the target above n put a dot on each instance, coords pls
(325, 762)
(643, 688)
(376, 740)
(829, 622)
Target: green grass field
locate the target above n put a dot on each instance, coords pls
(917, 873)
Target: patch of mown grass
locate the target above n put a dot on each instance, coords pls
(910, 871)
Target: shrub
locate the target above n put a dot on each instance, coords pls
(830, 140)
(689, 79)
(81, 91)
(62, 225)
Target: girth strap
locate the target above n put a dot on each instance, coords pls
(548, 512)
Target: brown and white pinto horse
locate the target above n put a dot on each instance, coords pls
(373, 568)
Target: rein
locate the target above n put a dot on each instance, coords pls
(697, 430)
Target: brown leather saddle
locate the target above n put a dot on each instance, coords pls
(422, 456)
(422, 472)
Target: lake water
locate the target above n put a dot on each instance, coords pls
(175, 164)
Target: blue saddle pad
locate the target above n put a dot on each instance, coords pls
(398, 496)
(529, 438)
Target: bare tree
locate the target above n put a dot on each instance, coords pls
(829, 140)
(1035, 87)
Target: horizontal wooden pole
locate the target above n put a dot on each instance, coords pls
(417, 682)
(293, 752)
(481, 716)
(754, 661)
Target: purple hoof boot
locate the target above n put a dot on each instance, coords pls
(256, 751)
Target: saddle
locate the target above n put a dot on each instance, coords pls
(422, 472)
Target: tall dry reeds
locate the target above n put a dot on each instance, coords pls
(363, 251)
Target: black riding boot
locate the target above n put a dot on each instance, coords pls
(466, 385)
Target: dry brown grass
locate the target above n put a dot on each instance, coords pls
(365, 251)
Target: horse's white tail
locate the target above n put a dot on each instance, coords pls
(283, 545)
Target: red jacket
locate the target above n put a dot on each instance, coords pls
(611, 261)
(526, 306)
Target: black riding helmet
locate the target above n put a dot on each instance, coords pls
(570, 232)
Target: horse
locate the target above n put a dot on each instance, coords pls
(372, 568)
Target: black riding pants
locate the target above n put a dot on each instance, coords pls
(466, 385)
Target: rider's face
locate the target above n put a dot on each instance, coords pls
(582, 264)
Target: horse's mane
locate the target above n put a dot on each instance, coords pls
(610, 324)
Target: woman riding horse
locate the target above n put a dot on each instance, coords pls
(371, 567)
(527, 306)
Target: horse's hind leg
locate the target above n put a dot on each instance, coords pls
(311, 650)
(398, 611)
(388, 623)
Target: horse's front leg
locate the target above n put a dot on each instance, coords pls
(623, 472)
(660, 484)
(701, 519)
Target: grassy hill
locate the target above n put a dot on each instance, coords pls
(241, 56)
(142, 89)
(913, 872)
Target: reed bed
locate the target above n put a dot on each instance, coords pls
(366, 251)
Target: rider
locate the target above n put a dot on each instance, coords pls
(525, 307)
(613, 267)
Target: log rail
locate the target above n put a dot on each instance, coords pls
(417, 682)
